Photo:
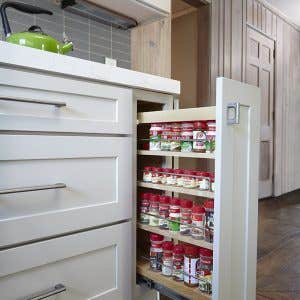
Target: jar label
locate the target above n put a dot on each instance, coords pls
(156, 260)
(167, 267)
(190, 270)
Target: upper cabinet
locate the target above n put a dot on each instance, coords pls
(140, 10)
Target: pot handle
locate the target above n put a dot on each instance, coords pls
(35, 28)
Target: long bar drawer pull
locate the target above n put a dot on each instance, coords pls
(16, 99)
(33, 188)
(59, 288)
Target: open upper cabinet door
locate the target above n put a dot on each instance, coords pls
(236, 198)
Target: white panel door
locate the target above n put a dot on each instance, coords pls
(95, 264)
(236, 198)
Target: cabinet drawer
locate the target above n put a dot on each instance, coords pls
(91, 265)
(41, 102)
(96, 172)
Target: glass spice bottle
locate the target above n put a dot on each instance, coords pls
(155, 137)
(156, 175)
(171, 178)
(209, 220)
(198, 217)
(212, 181)
(144, 208)
(164, 212)
(154, 210)
(191, 260)
(205, 270)
(178, 260)
(179, 178)
(185, 216)
(156, 252)
(166, 137)
(189, 179)
(204, 181)
(176, 136)
(174, 214)
(167, 259)
(199, 136)
(211, 137)
(164, 175)
(147, 174)
(187, 137)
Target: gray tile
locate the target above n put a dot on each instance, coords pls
(100, 32)
(99, 25)
(76, 18)
(78, 26)
(97, 58)
(121, 47)
(79, 54)
(15, 16)
(55, 18)
(124, 64)
(121, 33)
(80, 45)
(50, 26)
(76, 35)
(99, 40)
(120, 55)
(96, 49)
(49, 5)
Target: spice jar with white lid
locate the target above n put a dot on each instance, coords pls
(199, 136)
(175, 137)
(154, 210)
(191, 260)
(185, 216)
(164, 205)
(189, 179)
(156, 175)
(209, 220)
(178, 260)
(144, 208)
(204, 181)
(187, 137)
(174, 214)
(167, 259)
(211, 137)
(171, 178)
(166, 137)
(179, 178)
(155, 137)
(198, 221)
(147, 174)
(156, 252)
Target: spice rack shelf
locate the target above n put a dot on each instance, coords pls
(176, 236)
(175, 189)
(191, 293)
(177, 154)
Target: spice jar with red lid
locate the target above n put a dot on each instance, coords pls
(204, 181)
(185, 216)
(164, 175)
(154, 210)
(156, 252)
(209, 220)
(186, 137)
(211, 137)
(199, 136)
(167, 259)
(189, 179)
(198, 221)
(191, 260)
(166, 137)
(212, 181)
(178, 260)
(147, 174)
(156, 175)
(144, 208)
(171, 178)
(164, 202)
(205, 270)
(155, 137)
(174, 214)
(176, 135)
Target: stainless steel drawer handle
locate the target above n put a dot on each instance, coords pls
(16, 99)
(33, 188)
(59, 288)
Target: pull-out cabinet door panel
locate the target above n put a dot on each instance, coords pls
(41, 102)
(55, 184)
(91, 265)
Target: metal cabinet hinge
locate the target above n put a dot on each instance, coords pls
(233, 112)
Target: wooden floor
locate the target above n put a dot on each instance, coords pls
(278, 265)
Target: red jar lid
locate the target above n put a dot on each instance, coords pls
(145, 196)
(164, 170)
(205, 252)
(209, 204)
(200, 125)
(156, 124)
(191, 250)
(178, 171)
(186, 203)
(164, 199)
(175, 201)
(169, 170)
(204, 174)
(154, 169)
(198, 209)
(147, 168)
(188, 172)
(154, 197)
(187, 124)
(178, 249)
(168, 246)
(156, 237)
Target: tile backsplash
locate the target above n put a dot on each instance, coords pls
(92, 40)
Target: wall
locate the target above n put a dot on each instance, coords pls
(92, 40)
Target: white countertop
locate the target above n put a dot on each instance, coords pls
(43, 61)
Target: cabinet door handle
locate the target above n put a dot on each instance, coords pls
(57, 289)
(15, 99)
(33, 188)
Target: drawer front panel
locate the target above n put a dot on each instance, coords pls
(93, 177)
(36, 102)
(92, 265)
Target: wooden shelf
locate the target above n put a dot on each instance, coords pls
(177, 154)
(176, 189)
(178, 115)
(191, 293)
(176, 236)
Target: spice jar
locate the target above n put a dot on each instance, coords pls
(167, 259)
(209, 220)
(171, 178)
(205, 270)
(176, 136)
(164, 175)
(199, 136)
(164, 212)
(212, 181)
(147, 174)
(166, 137)
(191, 259)
(185, 216)
(144, 208)
(178, 253)
(154, 210)
(211, 137)
(189, 180)
(156, 175)
(187, 137)
(198, 217)
(179, 178)
(156, 252)
(155, 137)
(174, 214)
(204, 181)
